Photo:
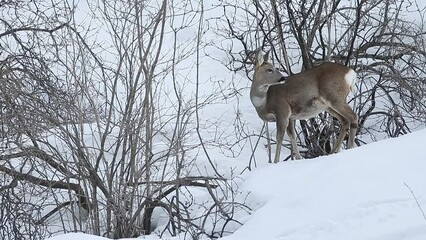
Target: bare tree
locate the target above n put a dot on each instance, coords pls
(373, 37)
(100, 121)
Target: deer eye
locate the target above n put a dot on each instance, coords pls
(269, 70)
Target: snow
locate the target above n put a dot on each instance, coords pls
(376, 191)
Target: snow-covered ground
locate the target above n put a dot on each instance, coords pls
(377, 191)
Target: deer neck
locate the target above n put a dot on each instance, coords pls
(259, 98)
(258, 95)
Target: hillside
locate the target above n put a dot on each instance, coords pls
(376, 191)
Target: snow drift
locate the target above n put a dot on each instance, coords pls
(376, 191)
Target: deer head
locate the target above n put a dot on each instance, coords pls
(265, 74)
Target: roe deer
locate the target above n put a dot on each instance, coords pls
(301, 96)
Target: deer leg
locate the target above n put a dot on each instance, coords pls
(280, 135)
(268, 140)
(281, 126)
(343, 129)
(352, 133)
(292, 134)
(348, 120)
(342, 133)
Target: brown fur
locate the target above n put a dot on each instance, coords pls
(302, 96)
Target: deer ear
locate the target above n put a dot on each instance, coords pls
(266, 56)
(259, 58)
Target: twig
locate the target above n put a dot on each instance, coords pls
(417, 202)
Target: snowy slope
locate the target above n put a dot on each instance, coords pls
(362, 193)
(376, 191)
